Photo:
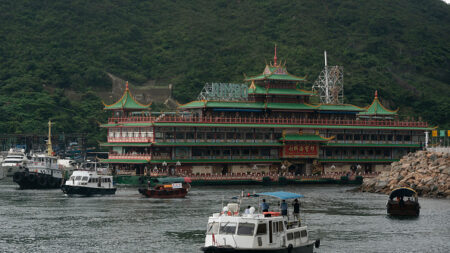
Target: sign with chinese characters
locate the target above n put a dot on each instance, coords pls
(300, 150)
(177, 186)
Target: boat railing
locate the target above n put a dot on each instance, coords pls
(263, 120)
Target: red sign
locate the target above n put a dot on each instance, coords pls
(299, 150)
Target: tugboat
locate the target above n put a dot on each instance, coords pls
(89, 183)
(397, 206)
(14, 162)
(41, 172)
(166, 188)
(231, 231)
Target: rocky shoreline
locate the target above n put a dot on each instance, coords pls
(426, 172)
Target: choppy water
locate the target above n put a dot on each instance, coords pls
(49, 221)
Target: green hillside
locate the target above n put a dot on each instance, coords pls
(399, 47)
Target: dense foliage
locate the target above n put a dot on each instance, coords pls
(50, 47)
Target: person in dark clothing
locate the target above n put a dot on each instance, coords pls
(401, 202)
(284, 208)
(296, 211)
(264, 206)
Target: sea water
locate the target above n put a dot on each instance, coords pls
(344, 220)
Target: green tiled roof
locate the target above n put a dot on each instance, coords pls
(217, 161)
(372, 145)
(235, 105)
(214, 104)
(298, 137)
(287, 77)
(343, 107)
(275, 73)
(127, 101)
(123, 161)
(248, 105)
(290, 106)
(274, 91)
(376, 108)
(359, 160)
(217, 144)
(124, 144)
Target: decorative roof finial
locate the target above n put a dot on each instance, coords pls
(127, 85)
(275, 57)
(376, 94)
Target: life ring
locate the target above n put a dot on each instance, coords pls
(32, 178)
(17, 177)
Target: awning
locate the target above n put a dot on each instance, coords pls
(281, 195)
(402, 192)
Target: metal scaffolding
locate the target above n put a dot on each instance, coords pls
(330, 84)
(224, 92)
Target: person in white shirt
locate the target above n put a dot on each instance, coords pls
(247, 210)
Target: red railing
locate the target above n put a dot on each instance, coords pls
(257, 120)
(274, 176)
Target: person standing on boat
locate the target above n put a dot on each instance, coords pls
(296, 212)
(284, 208)
(247, 211)
(264, 206)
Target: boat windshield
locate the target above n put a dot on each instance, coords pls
(213, 228)
(84, 179)
(78, 178)
(246, 229)
(228, 228)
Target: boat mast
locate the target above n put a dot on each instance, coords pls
(49, 142)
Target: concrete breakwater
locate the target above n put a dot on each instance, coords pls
(426, 172)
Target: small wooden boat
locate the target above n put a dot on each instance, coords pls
(398, 206)
(167, 188)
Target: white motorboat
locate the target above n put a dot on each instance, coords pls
(89, 183)
(15, 161)
(232, 231)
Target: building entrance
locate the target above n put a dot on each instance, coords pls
(297, 169)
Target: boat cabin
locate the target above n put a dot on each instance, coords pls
(90, 179)
(403, 201)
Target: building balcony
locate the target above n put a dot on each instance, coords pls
(258, 120)
(130, 139)
(130, 156)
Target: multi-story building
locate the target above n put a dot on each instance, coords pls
(268, 125)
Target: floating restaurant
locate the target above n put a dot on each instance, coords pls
(270, 124)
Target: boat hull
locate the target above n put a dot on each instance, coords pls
(408, 209)
(11, 170)
(308, 248)
(164, 194)
(87, 191)
(31, 180)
